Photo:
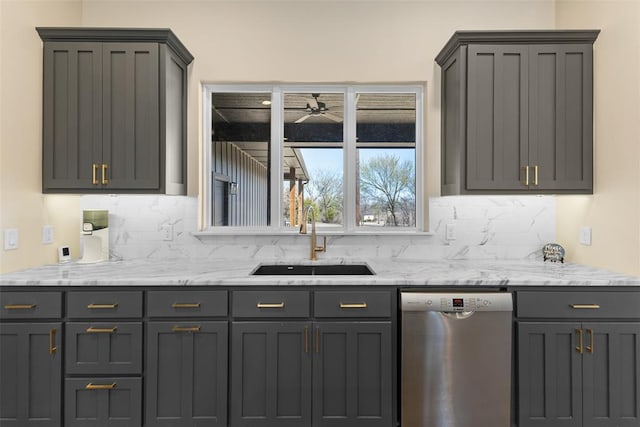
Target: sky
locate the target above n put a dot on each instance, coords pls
(331, 158)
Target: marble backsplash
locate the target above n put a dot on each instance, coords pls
(486, 227)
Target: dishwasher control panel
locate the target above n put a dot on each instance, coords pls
(418, 301)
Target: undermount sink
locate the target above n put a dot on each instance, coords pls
(313, 270)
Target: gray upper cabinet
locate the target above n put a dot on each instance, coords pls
(517, 112)
(114, 111)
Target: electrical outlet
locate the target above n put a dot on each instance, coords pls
(450, 232)
(167, 232)
(10, 239)
(585, 236)
(47, 234)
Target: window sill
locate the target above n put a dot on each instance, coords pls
(265, 232)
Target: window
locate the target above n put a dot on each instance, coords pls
(352, 154)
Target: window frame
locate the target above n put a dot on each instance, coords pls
(277, 92)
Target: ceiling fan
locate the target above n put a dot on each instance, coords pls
(317, 108)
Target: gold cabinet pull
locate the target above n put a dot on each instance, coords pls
(535, 175)
(270, 305)
(102, 306)
(93, 330)
(526, 175)
(585, 306)
(92, 386)
(579, 347)
(306, 339)
(20, 306)
(590, 346)
(355, 305)
(94, 174)
(104, 173)
(186, 329)
(317, 340)
(185, 305)
(52, 341)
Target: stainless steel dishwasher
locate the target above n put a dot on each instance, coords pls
(456, 359)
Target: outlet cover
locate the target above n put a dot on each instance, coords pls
(585, 236)
(450, 232)
(10, 239)
(167, 232)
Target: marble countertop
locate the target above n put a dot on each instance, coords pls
(389, 272)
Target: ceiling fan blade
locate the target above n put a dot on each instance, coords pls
(303, 118)
(333, 117)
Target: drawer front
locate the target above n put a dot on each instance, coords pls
(104, 348)
(267, 304)
(352, 304)
(103, 402)
(618, 304)
(104, 305)
(30, 305)
(186, 304)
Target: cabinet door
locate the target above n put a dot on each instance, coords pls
(497, 113)
(72, 115)
(549, 374)
(186, 368)
(103, 402)
(131, 127)
(352, 374)
(104, 348)
(561, 116)
(31, 372)
(611, 374)
(271, 374)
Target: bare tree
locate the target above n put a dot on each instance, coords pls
(389, 182)
(325, 190)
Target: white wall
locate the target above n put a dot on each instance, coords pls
(305, 41)
(239, 41)
(613, 211)
(22, 204)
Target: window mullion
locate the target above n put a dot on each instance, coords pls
(207, 166)
(350, 171)
(275, 169)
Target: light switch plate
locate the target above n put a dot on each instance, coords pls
(585, 236)
(10, 239)
(47, 234)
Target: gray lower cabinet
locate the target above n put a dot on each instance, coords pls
(103, 358)
(517, 112)
(30, 374)
(104, 401)
(334, 371)
(579, 374)
(114, 110)
(352, 374)
(270, 373)
(186, 373)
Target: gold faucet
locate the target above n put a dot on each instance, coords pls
(314, 240)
